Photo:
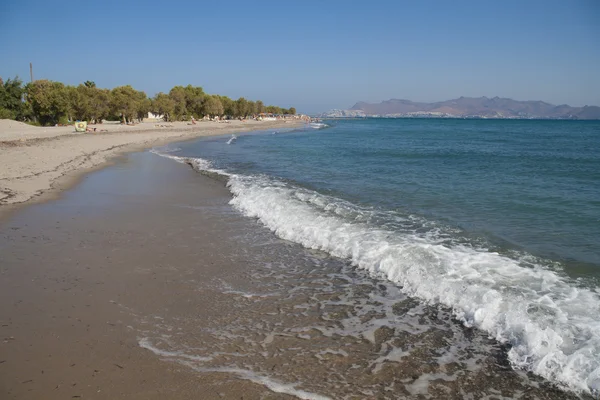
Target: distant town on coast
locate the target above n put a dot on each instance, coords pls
(466, 107)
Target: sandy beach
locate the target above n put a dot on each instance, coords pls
(82, 277)
(45, 160)
(142, 282)
(66, 329)
(300, 201)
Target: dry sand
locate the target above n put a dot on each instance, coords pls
(44, 160)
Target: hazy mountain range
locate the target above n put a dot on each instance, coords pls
(470, 107)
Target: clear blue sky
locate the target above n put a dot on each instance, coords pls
(314, 55)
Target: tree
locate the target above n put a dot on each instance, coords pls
(241, 107)
(99, 104)
(228, 105)
(52, 102)
(79, 104)
(163, 104)
(88, 103)
(123, 102)
(273, 109)
(11, 99)
(49, 101)
(260, 107)
(177, 94)
(213, 106)
(252, 108)
(143, 105)
(194, 98)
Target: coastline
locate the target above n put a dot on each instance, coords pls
(41, 162)
(140, 282)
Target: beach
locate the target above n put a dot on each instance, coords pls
(80, 278)
(45, 160)
(141, 283)
(193, 206)
(150, 279)
(64, 331)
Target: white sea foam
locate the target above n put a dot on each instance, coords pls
(147, 344)
(198, 164)
(551, 324)
(196, 363)
(272, 384)
(394, 355)
(165, 152)
(317, 125)
(421, 385)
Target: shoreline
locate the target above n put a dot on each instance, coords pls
(141, 283)
(43, 164)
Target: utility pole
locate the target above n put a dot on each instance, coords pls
(31, 71)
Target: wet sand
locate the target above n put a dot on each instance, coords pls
(141, 282)
(79, 274)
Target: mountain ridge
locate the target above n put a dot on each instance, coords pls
(469, 107)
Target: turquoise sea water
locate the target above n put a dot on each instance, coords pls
(524, 185)
(497, 219)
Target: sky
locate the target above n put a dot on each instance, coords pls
(313, 55)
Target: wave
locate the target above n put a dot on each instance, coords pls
(550, 322)
(232, 139)
(318, 125)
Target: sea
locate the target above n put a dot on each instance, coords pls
(442, 258)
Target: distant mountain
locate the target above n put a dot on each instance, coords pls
(469, 107)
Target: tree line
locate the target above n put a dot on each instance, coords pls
(49, 103)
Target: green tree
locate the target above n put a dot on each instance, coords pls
(228, 106)
(99, 104)
(6, 114)
(11, 99)
(49, 101)
(52, 102)
(124, 102)
(143, 105)
(273, 109)
(252, 108)
(78, 103)
(213, 106)
(88, 103)
(177, 94)
(163, 104)
(260, 107)
(194, 99)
